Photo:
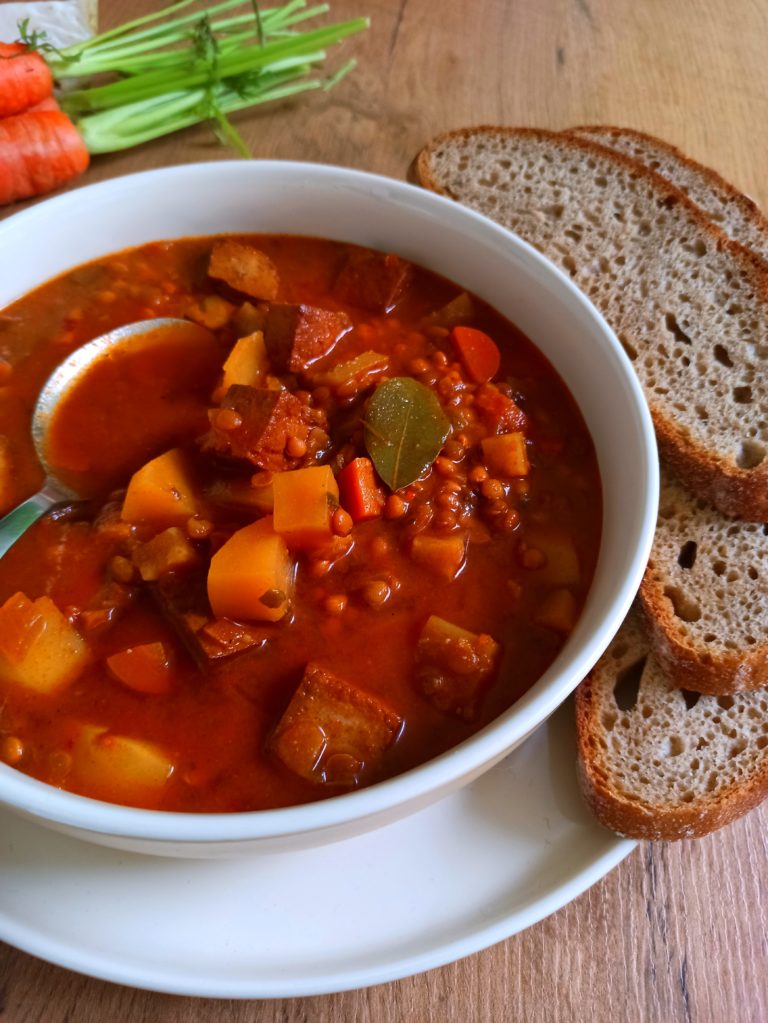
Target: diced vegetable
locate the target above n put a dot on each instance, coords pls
(459, 310)
(247, 362)
(244, 268)
(115, 766)
(39, 648)
(506, 454)
(443, 555)
(359, 492)
(558, 611)
(298, 335)
(478, 353)
(561, 560)
(166, 552)
(251, 576)
(162, 493)
(350, 377)
(145, 668)
(332, 732)
(305, 501)
(454, 666)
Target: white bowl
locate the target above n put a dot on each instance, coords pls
(347, 205)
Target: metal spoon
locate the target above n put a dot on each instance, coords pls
(55, 493)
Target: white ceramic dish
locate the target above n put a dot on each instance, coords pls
(486, 862)
(348, 205)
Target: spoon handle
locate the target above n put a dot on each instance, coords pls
(21, 518)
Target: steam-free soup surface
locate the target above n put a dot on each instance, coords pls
(375, 530)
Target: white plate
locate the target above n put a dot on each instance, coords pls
(484, 863)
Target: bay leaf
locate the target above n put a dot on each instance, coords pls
(405, 428)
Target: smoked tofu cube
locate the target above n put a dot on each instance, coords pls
(244, 268)
(39, 647)
(298, 335)
(373, 280)
(454, 666)
(333, 733)
(118, 768)
(264, 422)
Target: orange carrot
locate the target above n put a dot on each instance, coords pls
(478, 353)
(359, 492)
(25, 79)
(38, 152)
(49, 103)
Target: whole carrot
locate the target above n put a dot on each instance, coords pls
(25, 79)
(39, 150)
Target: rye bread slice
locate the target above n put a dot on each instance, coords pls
(731, 210)
(656, 762)
(689, 305)
(705, 595)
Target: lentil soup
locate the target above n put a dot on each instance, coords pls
(366, 534)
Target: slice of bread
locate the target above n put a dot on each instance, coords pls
(689, 305)
(732, 211)
(705, 595)
(660, 763)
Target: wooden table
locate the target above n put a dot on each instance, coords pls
(677, 932)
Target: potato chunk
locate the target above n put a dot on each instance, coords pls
(442, 555)
(244, 268)
(454, 666)
(251, 576)
(247, 362)
(39, 648)
(506, 454)
(333, 733)
(115, 767)
(161, 493)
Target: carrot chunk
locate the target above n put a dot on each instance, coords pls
(145, 668)
(359, 493)
(478, 353)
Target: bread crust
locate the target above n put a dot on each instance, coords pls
(740, 491)
(611, 798)
(716, 673)
(709, 179)
(635, 818)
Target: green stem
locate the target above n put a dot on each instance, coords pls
(252, 58)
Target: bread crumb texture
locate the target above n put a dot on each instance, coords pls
(689, 306)
(659, 762)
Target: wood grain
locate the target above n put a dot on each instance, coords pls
(677, 932)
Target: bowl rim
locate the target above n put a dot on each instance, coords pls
(41, 800)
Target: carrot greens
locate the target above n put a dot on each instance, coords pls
(184, 64)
